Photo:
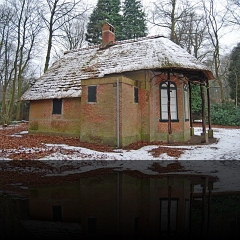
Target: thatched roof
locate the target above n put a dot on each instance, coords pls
(63, 78)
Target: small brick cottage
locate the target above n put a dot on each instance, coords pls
(118, 93)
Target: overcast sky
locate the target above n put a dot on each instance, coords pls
(230, 40)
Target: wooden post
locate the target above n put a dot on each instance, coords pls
(203, 109)
(204, 137)
(210, 131)
(169, 105)
(190, 108)
(170, 136)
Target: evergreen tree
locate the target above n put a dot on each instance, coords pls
(196, 102)
(105, 10)
(134, 20)
(234, 74)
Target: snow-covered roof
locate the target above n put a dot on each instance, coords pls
(63, 78)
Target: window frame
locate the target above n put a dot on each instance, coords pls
(186, 102)
(92, 94)
(172, 87)
(136, 92)
(57, 106)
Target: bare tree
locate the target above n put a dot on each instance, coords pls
(215, 20)
(73, 33)
(191, 34)
(185, 24)
(20, 27)
(27, 26)
(233, 7)
(53, 13)
(168, 13)
(6, 64)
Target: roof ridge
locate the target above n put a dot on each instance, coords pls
(115, 43)
(139, 39)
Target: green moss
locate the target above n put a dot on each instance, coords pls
(33, 125)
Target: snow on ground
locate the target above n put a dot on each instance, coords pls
(227, 148)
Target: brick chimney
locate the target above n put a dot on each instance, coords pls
(108, 34)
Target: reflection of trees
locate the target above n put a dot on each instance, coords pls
(224, 214)
(12, 211)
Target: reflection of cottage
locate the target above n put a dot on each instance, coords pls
(118, 204)
(119, 92)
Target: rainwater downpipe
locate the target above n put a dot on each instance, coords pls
(118, 206)
(118, 114)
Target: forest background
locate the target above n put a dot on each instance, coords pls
(35, 33)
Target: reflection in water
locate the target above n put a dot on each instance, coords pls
(119, 203)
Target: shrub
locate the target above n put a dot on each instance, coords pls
(225, 114)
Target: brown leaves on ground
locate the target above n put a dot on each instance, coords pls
(16, 145)
(172, 152)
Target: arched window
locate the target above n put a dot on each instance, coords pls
(186, 101)
(164, 101)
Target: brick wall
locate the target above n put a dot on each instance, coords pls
(41, 119)
(99, 119)
(180, 128)
(130, 115)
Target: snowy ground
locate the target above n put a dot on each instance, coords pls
(227, 148)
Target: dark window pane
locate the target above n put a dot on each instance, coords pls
(57, 106)
(92, 94)
(57, 213)
(135, 94)
(92, 225)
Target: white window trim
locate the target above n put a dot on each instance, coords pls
(186, 102)
(164, 101)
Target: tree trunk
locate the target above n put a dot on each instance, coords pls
(173, 21)
(50, 37)
(11, 107)
(48, 52)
